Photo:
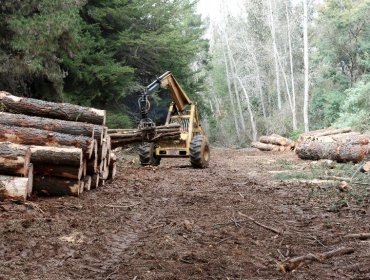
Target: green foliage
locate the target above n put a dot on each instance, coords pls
(355, 110)
(341, 59)
(95, 52)
(118, 120)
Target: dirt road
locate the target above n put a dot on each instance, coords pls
(174, 222)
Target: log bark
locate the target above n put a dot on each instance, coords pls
(274, 139)
(313, 150)
(63, 171)
(265, 147)
(61, 111)
(60, 126)
(14, 159)
(33, 136)
(354, 153)
(87, 183)
(14, 188)
(55, 186)
(70, 156)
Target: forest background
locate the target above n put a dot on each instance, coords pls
(276, 66)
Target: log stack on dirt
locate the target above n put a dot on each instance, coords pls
(66, 148)
(341, 145)
(274, 142)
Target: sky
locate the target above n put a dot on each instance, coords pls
(211, 8)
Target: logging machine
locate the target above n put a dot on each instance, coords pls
(192, 143)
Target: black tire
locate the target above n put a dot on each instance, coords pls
(147, 154)
(199, 152)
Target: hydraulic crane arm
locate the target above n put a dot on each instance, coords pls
(167, 80)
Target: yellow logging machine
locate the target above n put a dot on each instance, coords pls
(192, 143)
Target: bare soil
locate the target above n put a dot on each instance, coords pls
(175, 222)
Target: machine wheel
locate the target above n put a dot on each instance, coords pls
(199, 151)
(147, 154)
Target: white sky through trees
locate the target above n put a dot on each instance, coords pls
(211, 8)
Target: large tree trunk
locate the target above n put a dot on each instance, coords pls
(306, 66)
(229, 90)
(63, 171)
(60, 126)
(314, 150)
(14, 159)
(275, 52)
(32, 136)
(61, 111)
(349, 152)
(70, 156)
(55, 186)
(14, 188)
(250, 111)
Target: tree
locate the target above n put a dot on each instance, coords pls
(306, 69)
(341, 56)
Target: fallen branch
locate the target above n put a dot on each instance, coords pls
(259, 224)
(361, 236)
(297, 262)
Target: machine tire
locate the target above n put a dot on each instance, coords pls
(147, 154)
(199, 151)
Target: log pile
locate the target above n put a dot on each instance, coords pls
(274, 142)
(52, 148)
(341, 145)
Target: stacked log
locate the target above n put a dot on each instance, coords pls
(16, 179)
(274, 142)
(341, 145)
(67, 147)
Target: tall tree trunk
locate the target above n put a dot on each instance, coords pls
(233, 74)
(294, 110)
(305, 55)
(289, 96)
(250, 111)
(258, 78)
(230, 94)
(274, 48)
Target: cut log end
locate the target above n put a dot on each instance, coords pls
(14, 188)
